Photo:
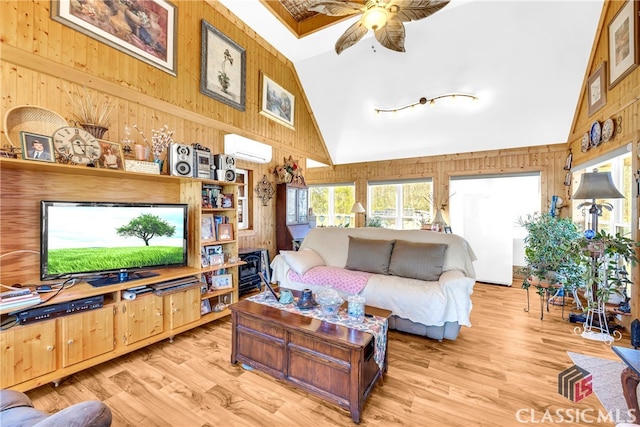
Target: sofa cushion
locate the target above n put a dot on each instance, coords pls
(302, 260)
(369, 255)
(421, 261)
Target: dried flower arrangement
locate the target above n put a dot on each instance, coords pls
(288, 172)
(89, 110)
(160, 139)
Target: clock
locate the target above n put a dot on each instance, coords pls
(595, 134)
(76, 145)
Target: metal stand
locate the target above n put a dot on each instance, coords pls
(596, 327)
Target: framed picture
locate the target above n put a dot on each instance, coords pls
(216, 259)
(144, 29)
(225, 231)
(222, 281)
(623, 39)
(111, 157)
(277, 103)
(37, 147)
(206, 227)
(205, 307)
(213, 249)
(204, 258)
(227, 200)
(447, 230)
(597, 89)
(222, 68)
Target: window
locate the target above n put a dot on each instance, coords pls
(243, 178)
(401, 205)
(331, 204)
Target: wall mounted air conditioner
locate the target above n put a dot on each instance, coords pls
(247, 149)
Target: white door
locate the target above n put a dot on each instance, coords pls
(485, 211)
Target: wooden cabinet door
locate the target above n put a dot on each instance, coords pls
(183, 307)
(86, 335)
(27, 352)
(142, 318)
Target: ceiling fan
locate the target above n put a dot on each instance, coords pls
(384, 18)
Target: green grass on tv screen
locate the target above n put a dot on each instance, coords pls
(65, 261)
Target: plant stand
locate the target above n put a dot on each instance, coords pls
(596, 327)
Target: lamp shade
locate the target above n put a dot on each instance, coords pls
(597, 185)
(357, 208)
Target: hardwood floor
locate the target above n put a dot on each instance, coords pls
(505, 364)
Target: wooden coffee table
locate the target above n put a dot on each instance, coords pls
(333, 362)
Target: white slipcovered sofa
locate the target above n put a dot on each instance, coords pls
(427, 283)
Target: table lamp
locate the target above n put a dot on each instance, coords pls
(358, 208)
(596, 185)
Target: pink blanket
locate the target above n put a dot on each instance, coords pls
(348, 281)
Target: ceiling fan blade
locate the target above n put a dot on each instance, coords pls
(337, 8)
(350, 37)
(391, 36)
(410, 10)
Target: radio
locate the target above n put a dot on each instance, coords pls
(226, 167)
(181, 160)
(202, 164)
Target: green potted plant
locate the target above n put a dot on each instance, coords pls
(600, 255)
(549, 260)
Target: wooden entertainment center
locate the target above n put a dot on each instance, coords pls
(49, 350)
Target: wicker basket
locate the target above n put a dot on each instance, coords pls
(29, 118)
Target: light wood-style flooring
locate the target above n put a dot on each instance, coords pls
(506, 363)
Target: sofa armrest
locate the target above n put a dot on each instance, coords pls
(13, 399)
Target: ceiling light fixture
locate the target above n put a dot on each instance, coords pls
(375, 18)
(430, 101)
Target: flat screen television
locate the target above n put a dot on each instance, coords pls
(113, 242)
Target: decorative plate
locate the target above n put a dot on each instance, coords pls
(595, 134)
(607, 130)
(585, 142)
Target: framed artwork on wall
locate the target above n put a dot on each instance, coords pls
(222, 68)
(276, 102)
(597, 89)
(144, 29)
(623, 42)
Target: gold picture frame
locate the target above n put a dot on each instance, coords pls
(111, 156)
(37, 147)
(277, 103)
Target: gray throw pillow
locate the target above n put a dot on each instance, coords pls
(421, 261)
(369, 255)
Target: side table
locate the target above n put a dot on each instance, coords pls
(545, 291)
(630, 376)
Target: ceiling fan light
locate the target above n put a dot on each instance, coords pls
(375, 18)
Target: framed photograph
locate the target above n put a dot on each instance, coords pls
(222, 68)
(204, 258)
(569, 161)
(37, 147)
(597, 89)
(205, 307)
(277, 103)
(222, 281)
(213, 249)
(216, 259)
(623, 39)
(206, 227)
(447, 230)
(227, 200)
(225, 231)
(144, 29)
(111, 157)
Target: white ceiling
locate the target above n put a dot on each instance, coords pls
(525, 60)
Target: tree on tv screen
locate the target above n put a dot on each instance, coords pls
(146, 227)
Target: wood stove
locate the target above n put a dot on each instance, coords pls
(257, 260)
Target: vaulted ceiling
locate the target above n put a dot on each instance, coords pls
(525, 60)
